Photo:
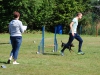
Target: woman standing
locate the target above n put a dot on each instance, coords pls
(15, 30)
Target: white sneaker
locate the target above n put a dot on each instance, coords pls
(81, 53)
(62, 53)
(15, 63)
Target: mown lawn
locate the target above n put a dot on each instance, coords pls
(51, 63)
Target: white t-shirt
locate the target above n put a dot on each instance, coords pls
(74, 26)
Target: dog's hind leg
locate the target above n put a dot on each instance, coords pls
(70, 49)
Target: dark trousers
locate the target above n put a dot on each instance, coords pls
(16, 43)
(71, 38)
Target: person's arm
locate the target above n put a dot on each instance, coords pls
(71, 24)
(9, 28)
(21, 27)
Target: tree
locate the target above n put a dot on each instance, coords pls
(36, 13)
(65, 10)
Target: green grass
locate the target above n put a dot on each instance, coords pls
(51, 63)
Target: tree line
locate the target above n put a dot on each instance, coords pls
(49, 13)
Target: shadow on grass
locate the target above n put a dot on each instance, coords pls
(3, 62)
(51, 54)
(4, 43)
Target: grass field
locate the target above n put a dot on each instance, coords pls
(51, 63)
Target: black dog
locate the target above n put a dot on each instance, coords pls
(63, 44)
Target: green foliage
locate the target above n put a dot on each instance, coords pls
(37, 13)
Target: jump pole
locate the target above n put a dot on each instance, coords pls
(55, 41)
(41, 45)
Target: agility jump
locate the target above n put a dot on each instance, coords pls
(42, 43)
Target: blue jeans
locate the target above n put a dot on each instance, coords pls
(71, 38)
(16, 43)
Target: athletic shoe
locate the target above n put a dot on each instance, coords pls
(15, 63)
(8, 62)
(81, 53)
(62, 53)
